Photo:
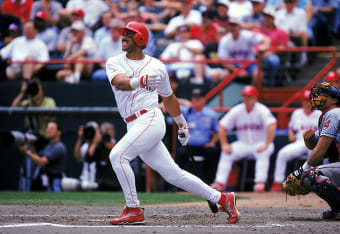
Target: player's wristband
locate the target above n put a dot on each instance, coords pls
(134, 83)
(305, 166)
(180, 121)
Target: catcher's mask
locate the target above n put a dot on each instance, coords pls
(320, 92)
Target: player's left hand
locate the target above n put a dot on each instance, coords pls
(183, 135)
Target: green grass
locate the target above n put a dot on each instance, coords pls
(90, 198)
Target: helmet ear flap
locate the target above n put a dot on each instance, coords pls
(138, 39)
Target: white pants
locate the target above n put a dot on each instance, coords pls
(144, 138)
(242, 150)
(287, 153)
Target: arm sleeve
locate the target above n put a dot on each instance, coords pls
(113, 69)
(164, 89)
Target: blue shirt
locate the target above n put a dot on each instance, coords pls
(56, 155)
(202, 125)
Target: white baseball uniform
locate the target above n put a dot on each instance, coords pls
(145, 133)
(251, 131)
(299, 122)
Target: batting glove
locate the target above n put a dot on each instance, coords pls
(183, 135)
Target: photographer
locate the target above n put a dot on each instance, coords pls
(51, 160)
(35, 97)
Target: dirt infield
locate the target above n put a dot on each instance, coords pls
(261, 213)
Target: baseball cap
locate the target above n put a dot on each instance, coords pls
(41, 15)
(13, 27)
(331, 76)
(269, 12)
(198, 92)
(78, 25)
(223, 3)
(78, 11)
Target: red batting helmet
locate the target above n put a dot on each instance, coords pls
(331, 76)
(250, 90)
(142, 35)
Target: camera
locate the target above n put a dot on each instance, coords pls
(90, 130)
(18, 138)
(106, 138)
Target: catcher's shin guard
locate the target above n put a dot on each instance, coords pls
(324, 187)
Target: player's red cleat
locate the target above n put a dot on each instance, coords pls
(218, 186)
(276, 187)
(228, 205)
(129, 216)
(259, 187)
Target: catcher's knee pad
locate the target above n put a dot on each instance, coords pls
(324, 187)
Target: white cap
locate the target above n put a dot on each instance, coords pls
(78, 25)
(269, 11)
(223, 2)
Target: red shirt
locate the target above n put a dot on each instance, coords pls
(22, 10)
(277, 36)
(204, 36)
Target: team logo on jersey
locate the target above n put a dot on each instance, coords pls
(326, 125)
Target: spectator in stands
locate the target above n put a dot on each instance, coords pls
(239, 44)
(333, 78)
(255, 20)
(80, 46)
(278, 39)
(35, 98)
(105, 30)
(110, 46)
(6, 20)
(322, 21)
(294, 21)
(203, 123)
(18, 8)
(239, 9)
(185, 49)
(50, 7)
(25, 48)
(188, 16)
(66, 33)
(222, 16)
(45, 33)
(207, 31)
(13, 32)
(302, 119)
(255, 129)
(93, 10)
(51, 160)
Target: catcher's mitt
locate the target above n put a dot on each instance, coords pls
(292, 185)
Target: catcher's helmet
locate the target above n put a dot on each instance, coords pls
(331, 76)
(320, 92)
(142, 35)
(249, 90)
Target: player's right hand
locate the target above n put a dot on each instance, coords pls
(150, 81)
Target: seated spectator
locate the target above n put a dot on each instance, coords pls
(103, 31)
(51, 160)
(50, 7)
(206, 32)
(93, 10)
(294, 21)
(222, 16)
(79, 47)
(25, 48)
(18, 8)
(203, 124)
(239, 44)
(322, 21)
(239, 9)
(45, 33)
(278, 39)
(333, 78)
(13, 32)
(255, 20)
(110, 46)
(188, 16)
(6, 20)
(302, 119)
(184, 49)
(66, 33)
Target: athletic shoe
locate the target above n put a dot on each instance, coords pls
(129, 216)
(259, 187)
(218, 186)
(330, 214)
(228, 205)
(276, 187)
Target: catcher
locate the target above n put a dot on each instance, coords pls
(324, 179)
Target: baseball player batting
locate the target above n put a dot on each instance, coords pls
(136, 80)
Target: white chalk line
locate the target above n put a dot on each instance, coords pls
(20, 225)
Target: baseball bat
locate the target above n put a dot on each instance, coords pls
(212, 206)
